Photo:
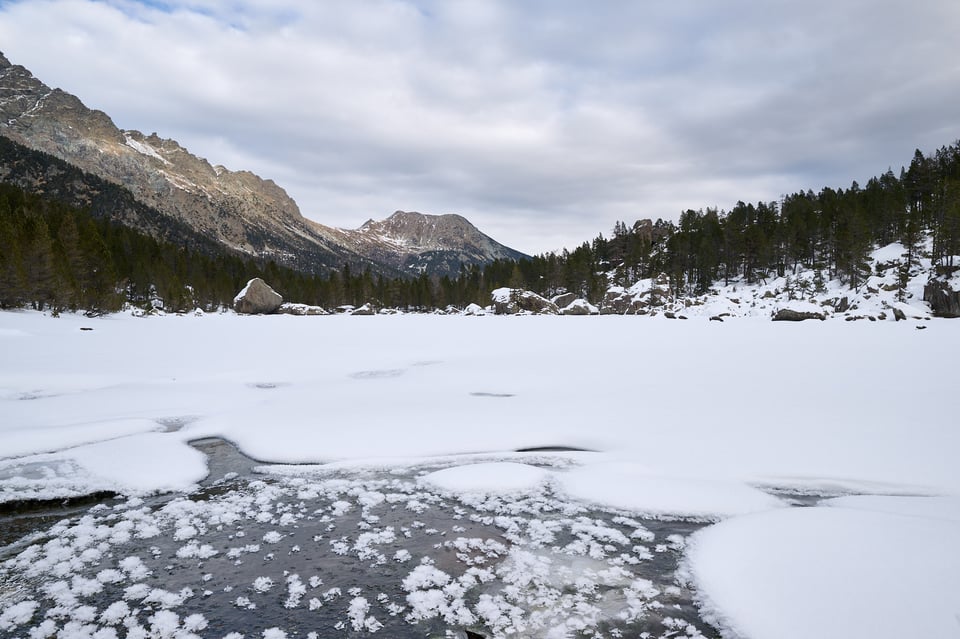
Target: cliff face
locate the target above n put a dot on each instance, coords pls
(235, 208)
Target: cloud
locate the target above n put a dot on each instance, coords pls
(543, 122)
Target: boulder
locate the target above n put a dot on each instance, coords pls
(257, 298)
(944, 301)
(791, 315)
(564, 300)
(474, 309)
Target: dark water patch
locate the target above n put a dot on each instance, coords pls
(63, 504)
(22, 517)
(485, 394)
(554, 449)
(804, 497)
(224, 460)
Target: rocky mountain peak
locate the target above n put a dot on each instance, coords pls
(414, 242)
(425, 231)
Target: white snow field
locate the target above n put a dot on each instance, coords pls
(697, 420)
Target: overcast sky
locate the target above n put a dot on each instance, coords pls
(543, 122)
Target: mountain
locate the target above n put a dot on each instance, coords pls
(417, 243)
(237, 209)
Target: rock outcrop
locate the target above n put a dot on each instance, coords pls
(257, 298)
(944, 301)
(510, 301)
(639, 299)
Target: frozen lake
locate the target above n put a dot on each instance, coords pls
(403, 431)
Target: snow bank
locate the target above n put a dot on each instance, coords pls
(143, 463)
(631, 487)
(494, 477)
(829, 572)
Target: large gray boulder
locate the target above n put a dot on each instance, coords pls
(257, 298)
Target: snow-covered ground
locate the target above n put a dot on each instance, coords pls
(698, 419)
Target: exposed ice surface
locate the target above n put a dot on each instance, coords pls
(688, 419)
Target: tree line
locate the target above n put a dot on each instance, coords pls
(59, 257)
(831, 233)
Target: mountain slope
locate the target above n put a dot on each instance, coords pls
(237, 209)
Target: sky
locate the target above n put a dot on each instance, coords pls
(543, 122)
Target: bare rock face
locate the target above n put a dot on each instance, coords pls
(257, 298)
(943, 300)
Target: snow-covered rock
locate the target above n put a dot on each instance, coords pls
(366, 309)
(510, 301)
(474, 309)
(579, 307)
(301, 309)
